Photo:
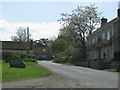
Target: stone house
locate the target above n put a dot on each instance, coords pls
(39, 51)
(12, 46)
(105, 41)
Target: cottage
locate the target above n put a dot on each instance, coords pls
(41, 50)
(104, 42)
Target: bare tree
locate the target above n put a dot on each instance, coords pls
(21, 35)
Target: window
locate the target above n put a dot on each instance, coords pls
(108, 35)
(43, 49)
(103, 36)
(93, 56)
(93, 41)
(108, 54)
(89, 42)
(96, 40)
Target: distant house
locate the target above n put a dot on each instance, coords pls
(104, 42)
(41, 50)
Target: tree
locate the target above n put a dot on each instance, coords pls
(80, 23)
(59, 48)
(59, 45)
(21, 35)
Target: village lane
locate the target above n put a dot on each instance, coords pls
(86, 77)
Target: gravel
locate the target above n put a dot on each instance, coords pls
(52, 81)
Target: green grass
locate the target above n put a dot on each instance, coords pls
(0, 71)
(112, 70)
(68, 63)
(31, 71)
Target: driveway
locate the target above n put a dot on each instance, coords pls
(86, 77)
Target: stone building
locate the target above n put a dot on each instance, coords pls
(12, 46)
(105, 41)
(39, 50)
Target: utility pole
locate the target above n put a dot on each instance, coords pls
(28, 47)
(28, 34)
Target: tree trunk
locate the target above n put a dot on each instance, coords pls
(83, 51)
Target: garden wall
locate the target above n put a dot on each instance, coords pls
(99, 64)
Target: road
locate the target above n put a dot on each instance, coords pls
(89, 78)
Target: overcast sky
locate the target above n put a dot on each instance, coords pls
(41, 17)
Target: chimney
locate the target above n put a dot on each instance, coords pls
(118, 11)
(103, 21)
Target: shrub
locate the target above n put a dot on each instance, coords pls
(23, 55)
(6, 56)
(61, 58)
(20, 55)
(29, 60)
(112, 70)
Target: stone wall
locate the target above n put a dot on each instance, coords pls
(115, 65)
(99, 65)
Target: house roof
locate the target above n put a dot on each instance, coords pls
(108, 24)
(12, 45)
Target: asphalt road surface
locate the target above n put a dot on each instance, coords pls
(86, 77)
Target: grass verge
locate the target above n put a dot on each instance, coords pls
(112, 70)
(68, 63)
(31, 71)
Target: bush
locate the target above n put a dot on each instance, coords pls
(20, 55)
(6, 56)
(61, 58)
(29, 60)
(112, 70)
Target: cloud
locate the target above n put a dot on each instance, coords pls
(37, 30)
(59, 1)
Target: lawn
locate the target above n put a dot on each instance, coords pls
(0, 71)
(31, 71)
